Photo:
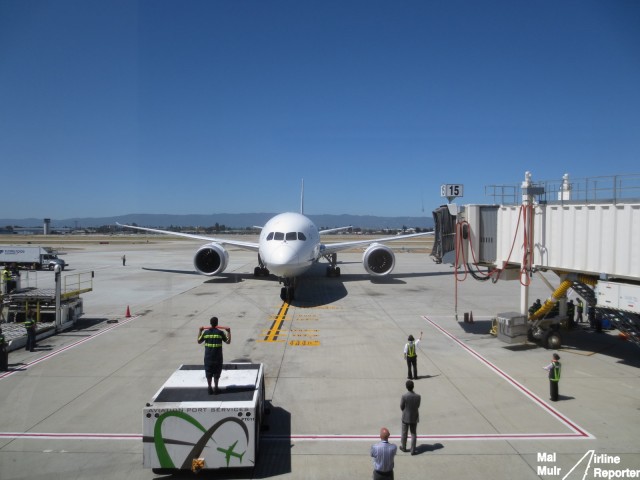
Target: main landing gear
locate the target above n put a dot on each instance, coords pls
(260, 270)
(332, 269)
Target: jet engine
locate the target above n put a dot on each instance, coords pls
(211, 259)
(378, 259)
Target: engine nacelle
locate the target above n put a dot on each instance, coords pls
(211, 259)
(378, 259)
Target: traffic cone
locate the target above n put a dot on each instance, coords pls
(128, 314)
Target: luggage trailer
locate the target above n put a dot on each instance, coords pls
(186, 428)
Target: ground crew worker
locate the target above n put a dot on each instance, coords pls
(579, 309)
(571, 312)
(4, 353)
(554, 376)
(411, 356)
(213, 338)
(6, 279)
(30, 326)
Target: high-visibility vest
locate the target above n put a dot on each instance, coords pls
(6, 275)
(554, 373)
(212, 338)
(411, 349)
(29, 322)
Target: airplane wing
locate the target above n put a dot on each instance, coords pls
(321, 232)
(236, 243)
(329, 248)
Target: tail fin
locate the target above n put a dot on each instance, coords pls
(302, 198)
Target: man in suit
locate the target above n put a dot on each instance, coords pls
(409, 404)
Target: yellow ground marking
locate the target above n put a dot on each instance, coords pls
(276, 326)
(273, 334)
(304, 343)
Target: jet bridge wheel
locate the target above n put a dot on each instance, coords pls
(552, 340)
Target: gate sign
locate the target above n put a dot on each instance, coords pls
(451, 190)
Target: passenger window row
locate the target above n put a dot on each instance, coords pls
(288, 236)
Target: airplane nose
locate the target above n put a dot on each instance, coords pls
(283, 255)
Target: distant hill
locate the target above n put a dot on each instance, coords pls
(230, 220)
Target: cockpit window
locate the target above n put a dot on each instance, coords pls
(270, 236)
(278, 236)
(292, 236)
(301, 236)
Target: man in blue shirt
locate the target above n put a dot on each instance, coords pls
(383, 454)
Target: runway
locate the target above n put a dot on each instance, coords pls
(334, 372)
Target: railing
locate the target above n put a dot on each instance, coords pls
(77, 283)
(606, 189)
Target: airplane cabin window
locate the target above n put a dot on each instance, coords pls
(301, 236)
(278, 236)
(292, 236)
(270, 236)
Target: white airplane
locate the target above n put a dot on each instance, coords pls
(289, 244)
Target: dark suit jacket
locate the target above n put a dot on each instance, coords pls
(409, 405)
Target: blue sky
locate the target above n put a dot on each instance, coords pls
(117, 107)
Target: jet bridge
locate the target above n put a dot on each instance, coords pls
(584, 231)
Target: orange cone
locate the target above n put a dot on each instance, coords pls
(128, 314)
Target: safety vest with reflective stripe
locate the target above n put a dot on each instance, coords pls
(212, 338)
(411, 349)
(29, 322)
(554, 373)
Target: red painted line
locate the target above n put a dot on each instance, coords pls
(580, 432)
(72, 436)
(325, 438)
(24, 367)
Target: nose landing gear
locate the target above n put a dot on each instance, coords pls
(287, 292)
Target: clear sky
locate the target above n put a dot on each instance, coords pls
(117, 107)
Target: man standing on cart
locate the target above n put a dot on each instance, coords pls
(213, 338)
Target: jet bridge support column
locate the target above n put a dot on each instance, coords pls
(58, 294)
(527, 199)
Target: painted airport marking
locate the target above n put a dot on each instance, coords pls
(276, 327)
(26, 366)
(304, 343)
(276, 331)
(300, 438)
(578, 431)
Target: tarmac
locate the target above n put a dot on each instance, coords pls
(334, 373)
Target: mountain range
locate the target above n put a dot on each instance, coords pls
(229, 220)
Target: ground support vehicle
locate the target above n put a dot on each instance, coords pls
(186, 428)
(31, 257)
